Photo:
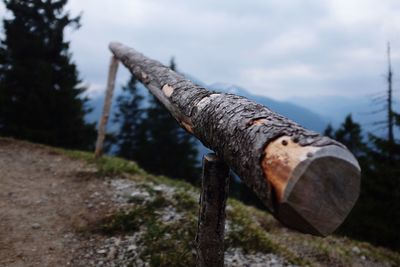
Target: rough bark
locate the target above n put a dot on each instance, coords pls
(240, 132)
(210, 232)
(112, 73)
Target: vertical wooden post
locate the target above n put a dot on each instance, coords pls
(211, 225)
(112, 73)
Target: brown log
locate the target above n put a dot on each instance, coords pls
(112, 73)
(307, 181)
(211, 224)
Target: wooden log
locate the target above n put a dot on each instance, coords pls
(101, 134)
(307, 181)
(211, 224)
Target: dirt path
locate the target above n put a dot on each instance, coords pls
(44, 198)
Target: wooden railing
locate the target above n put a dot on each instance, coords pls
(307, 181)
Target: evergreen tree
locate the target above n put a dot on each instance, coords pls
(384, 176)
(40, 93)
(379, 201)
(169, 150)
(329, 131)
(132, 136)
(350, 135)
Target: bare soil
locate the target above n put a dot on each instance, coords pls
(45, 198)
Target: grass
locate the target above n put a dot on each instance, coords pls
(113, 166)
(246, 233)
(163, 243)
(106, 165)
(172, 243)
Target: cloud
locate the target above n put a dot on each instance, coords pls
(279, 48)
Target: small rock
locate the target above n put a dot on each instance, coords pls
(35, 226)
(95, 194)
(117, 241)
(112, 253)
(102, 251)
(158, 188)
(356, 250)
(140, 195)
(363, 257)
(132, 247)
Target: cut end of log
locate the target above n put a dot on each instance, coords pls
(315, 188)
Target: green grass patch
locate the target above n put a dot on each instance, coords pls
(185, 202)
(246, 233)
(106, 165)
(170, 244)
(131, 221)
(164, 244)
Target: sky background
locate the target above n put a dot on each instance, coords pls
(278, 48)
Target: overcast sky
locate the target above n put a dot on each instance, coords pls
(277, 48)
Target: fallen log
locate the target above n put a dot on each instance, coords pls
(307, 181)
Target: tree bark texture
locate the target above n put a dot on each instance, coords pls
(241, 132)
(112, 73)
(211, 225)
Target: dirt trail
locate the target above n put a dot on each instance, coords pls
(44, 198)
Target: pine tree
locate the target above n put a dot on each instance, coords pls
(329, 131)
(131, 137)
(169, 150)
(40, 92)
(379, 201)
(384, 176)
(350, 135)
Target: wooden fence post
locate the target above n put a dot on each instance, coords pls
(211, 224)
(112, 74)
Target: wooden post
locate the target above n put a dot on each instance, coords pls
(307, 181)
(112, 73)
(211, 225)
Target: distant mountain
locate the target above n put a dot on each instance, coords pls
(297, 113)
(336, 108)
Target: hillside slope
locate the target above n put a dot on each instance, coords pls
(59, 208)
